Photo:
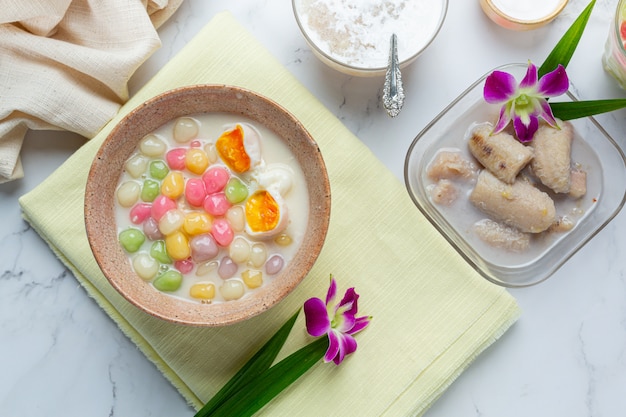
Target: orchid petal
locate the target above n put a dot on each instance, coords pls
(344, 322)
(317, 321)
(360, 323)
(553, 83)
(347, 345)
(547, 115)
(525, 132)
(333, 346)
(338, 322)
(332, 290)
(530, 79)
(504, 120)
(524, 117)
(348, 303)
(499, 87)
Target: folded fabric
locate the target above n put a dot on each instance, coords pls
(432, 313)
(66, 65)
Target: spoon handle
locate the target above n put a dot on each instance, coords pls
(393, 92)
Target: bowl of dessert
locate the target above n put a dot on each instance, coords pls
(207, 205)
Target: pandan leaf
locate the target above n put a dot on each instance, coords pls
(561, 54)
(261, 390)
(577, 109)
(564, 49)
(259, 363)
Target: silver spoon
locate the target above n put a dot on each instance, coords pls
(393, 92)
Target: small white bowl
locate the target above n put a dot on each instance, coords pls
(354, 37)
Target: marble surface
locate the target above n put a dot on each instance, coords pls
(62, 356)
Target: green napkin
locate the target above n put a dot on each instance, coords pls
(433, 314)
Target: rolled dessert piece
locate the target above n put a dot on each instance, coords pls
(578, 183)
(562, 224)
(552, 161)
(501, 236)
(501, 153)
(450, 164)
(519, 205)
(443, 192)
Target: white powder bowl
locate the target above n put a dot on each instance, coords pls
(354, 36)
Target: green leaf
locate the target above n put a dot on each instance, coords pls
(561, 54)
(269, 384)
(564, 49)
(259, 363)
(576, 109)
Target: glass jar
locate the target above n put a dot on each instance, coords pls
(522, 15)
(614, 58)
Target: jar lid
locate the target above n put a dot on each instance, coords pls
(522, 15)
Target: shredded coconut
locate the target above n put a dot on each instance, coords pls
(357, 32)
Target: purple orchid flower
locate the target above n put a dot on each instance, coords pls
(526, 103)
(338, 321)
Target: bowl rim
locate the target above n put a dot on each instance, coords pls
(162, 305)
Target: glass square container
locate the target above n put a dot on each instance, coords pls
(593, 150)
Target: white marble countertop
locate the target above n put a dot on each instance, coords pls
(61, 355)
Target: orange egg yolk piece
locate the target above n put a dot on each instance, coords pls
(232, 151)
(262, 212)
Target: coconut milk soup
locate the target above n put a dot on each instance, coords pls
(211, 207)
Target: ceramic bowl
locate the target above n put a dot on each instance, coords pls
(100, 220)
(592, 148)
(354, 37)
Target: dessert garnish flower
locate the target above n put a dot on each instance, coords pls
(260, 380)
(338, 321)
(525, 103)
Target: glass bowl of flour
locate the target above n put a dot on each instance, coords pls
(354, 36)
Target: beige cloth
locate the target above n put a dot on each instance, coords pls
(66, 64)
